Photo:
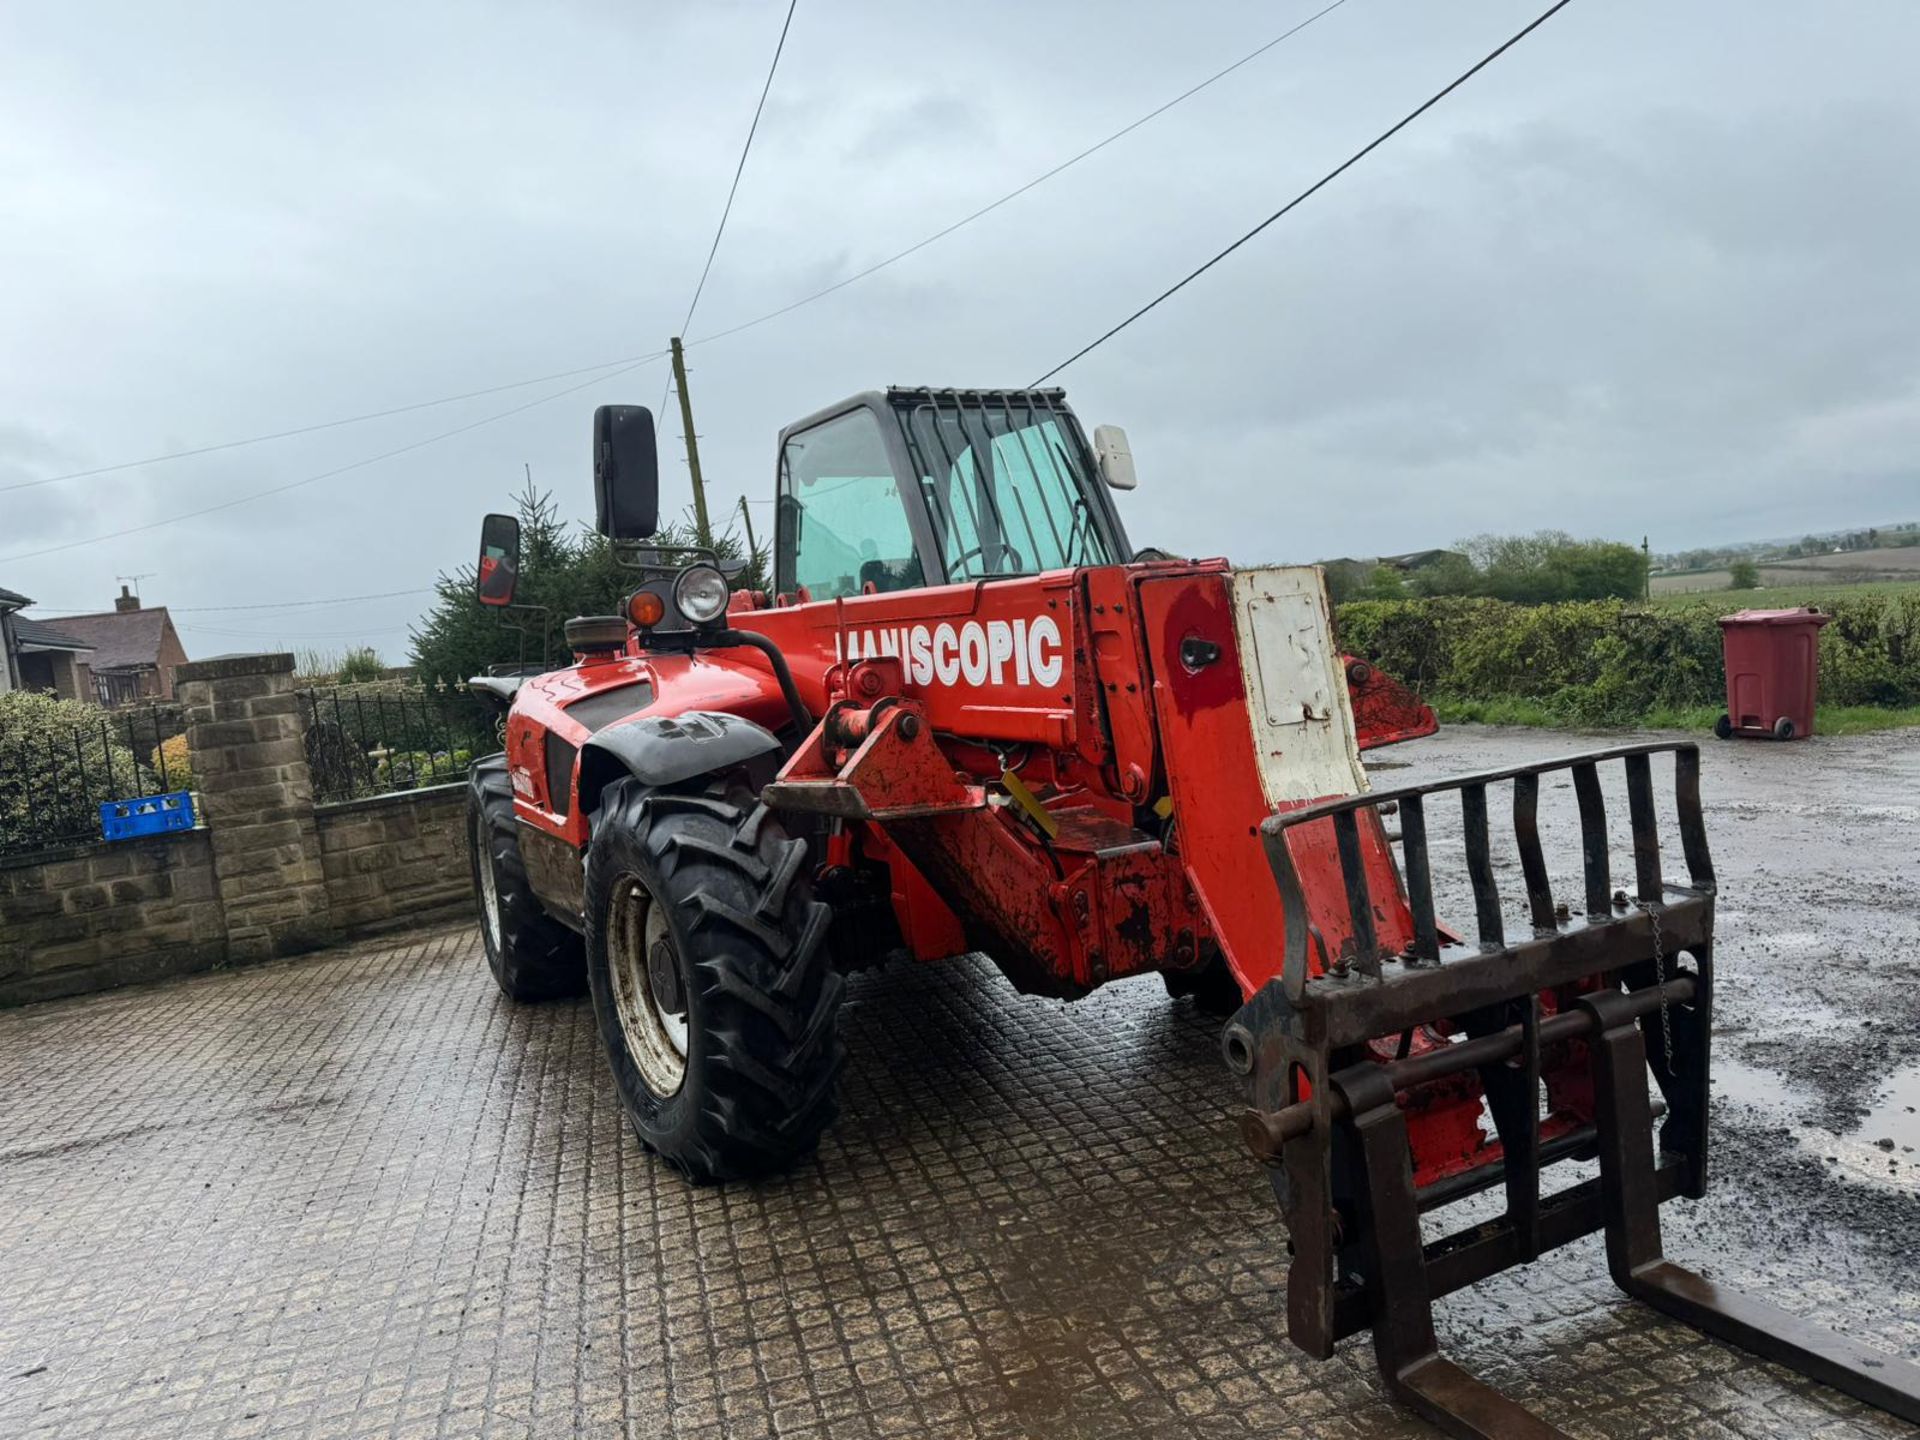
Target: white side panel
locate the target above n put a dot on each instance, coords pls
(1296, 689)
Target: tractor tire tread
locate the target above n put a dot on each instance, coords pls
(538, 958)
(765, 1061)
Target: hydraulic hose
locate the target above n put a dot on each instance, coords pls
(802, 719)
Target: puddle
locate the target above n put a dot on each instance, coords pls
(1895, 1115)
(1860, 1154)
(1748, 1084)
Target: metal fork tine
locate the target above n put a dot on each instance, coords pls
(1353, 870)
(1419, 868)
(1693, 825)
(1646, 829)
(1593, 840)
(1533, 859)
(1486, 891)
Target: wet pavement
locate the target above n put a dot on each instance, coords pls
(361, 1195)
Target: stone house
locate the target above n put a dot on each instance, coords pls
(135, 650)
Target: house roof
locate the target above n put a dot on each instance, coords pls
(120, 639)
(43, 636)
(13, 600)
(1415, 559)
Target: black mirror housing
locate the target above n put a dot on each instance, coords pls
(498, 573)
(626, 473)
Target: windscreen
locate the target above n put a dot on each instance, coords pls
(1007, 483)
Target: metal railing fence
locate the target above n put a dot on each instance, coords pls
(365, 740)
(61, 762)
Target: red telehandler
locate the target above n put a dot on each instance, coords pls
(969, 716)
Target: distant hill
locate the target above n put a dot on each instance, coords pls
(1877, 540)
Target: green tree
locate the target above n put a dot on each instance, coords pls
(1385, 583)
(1451, 574)
(1551, 565)
(565, 570)
(1596, 570)
(1346, 580)
(1743, 575)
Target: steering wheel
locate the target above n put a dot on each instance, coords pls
(1019, 560)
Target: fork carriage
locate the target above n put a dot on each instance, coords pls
(1338, 1049)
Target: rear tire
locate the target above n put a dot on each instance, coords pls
(1723, 727)
(1783, 729)
(712, 987)
(532, 955)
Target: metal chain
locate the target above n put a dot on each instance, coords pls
(1660, 975)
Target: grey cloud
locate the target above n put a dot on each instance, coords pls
(1653, 271)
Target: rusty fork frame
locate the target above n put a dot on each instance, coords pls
(1632, 979)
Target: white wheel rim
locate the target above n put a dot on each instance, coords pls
(489, 888)
(656, 1041)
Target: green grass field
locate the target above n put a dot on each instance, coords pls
(1777, 597)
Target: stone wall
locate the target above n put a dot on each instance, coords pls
(396, 860)
(90, 917)
(266, 874)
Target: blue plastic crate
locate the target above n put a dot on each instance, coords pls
(148, 815)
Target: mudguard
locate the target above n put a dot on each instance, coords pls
(667, 749)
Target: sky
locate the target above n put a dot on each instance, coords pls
(1654, 272)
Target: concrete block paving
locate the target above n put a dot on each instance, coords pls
(362, 1195)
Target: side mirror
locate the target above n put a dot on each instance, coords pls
(499, 569)
(626, 473)
(1115, 459)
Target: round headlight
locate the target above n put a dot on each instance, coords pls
(700, 594)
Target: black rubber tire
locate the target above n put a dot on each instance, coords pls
(535, 957)
(762, 998)
(1783, 729)
(1723, 727)
(1212, 986)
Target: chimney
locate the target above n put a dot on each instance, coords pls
(126, 601)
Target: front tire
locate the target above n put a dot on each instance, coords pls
(712, 987)
(532, 955)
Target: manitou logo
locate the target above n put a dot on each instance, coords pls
(993, 652)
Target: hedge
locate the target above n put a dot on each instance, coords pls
(1607, 662)
(59, 759)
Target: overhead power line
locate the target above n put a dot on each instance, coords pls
(787, 309)
(740, 168)
(329, 474)
(264, 605)
(358, 633)
(1016, 193)
(1318, 185)
(169, 455)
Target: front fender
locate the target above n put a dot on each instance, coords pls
(668, 749)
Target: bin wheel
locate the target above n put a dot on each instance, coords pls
(1723, 727)
(1783, 729)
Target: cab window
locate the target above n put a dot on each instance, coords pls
(842, 524)
(1006, 490)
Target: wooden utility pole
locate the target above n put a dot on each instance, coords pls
(746, 517)
(702, 531)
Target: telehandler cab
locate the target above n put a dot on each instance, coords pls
(970, 716)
